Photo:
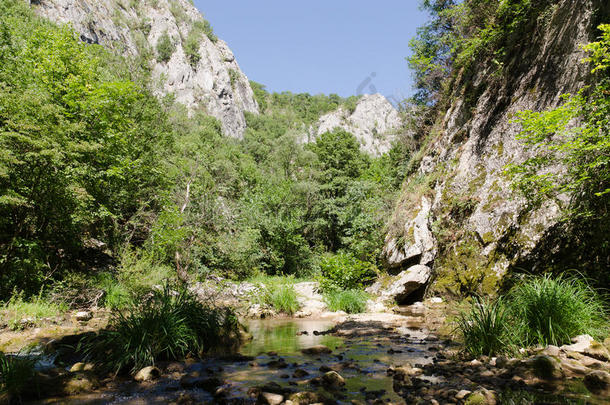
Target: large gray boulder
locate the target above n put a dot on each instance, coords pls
(405, 288)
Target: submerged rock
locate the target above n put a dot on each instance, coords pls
(333, 380)
(315, 350)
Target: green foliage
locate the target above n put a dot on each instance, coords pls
(164, 325)
(97, 173)
(16, 374)
(485, 328)
(205, 27)
(279, 293)
(36, 308)
(191, 47)
(536, 311)
(460, 33)
(551, 311)
(165, 47)
(350, 301)
(584, 150)
(343, 271)
(80, 148)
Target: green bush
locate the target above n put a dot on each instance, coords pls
(485, 328)
(350, 301)
(191, 47)
(167, 325)
(345, 272)
(165, 47)
(551, 311)
(16, 375)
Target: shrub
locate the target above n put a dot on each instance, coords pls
(485, 327)
(16, 374)
(165, 48)
(191, 47)
(344, 272)
(350, 301)
(168, 325)
(205, 27)
(552, 311)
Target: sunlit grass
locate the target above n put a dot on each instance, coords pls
(350, 301)
(34, 309)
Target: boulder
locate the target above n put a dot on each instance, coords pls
(402, 287)
(579, 344)
(83, 316)
(333, 380)
(316, 350)
(81, 367)
(299, 373)
(586, 345)
(270, 398)
(149, 373)
(597, 381)
(546, 367)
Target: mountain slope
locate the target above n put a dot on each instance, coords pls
(199, 69)
(458, 212)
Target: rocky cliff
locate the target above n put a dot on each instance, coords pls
(458, 213)
(199, 69)
(374, 122)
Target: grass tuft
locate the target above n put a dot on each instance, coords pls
(16, 375)
(484, 328)
(537, 311)
(350, 301)
(552, 311)
(167, 325)
(277, 292)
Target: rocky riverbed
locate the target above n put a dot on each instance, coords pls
(361, 359)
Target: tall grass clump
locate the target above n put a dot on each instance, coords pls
(279, 293)
(350, 301)
(551, 311)
(167, 325)
(485, 327)
(16, 375)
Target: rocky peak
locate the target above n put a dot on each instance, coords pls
(199, 69)
(374, 122)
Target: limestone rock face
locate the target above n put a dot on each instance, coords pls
(403, 287)
(374, 122)
(214, 83)
(458, 213)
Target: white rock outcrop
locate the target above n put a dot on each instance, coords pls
(400, 288)
(214, 84)
(375, 123)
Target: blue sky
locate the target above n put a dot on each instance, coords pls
(320, 46)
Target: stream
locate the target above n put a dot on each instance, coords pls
(361, 352)
(363, 348)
